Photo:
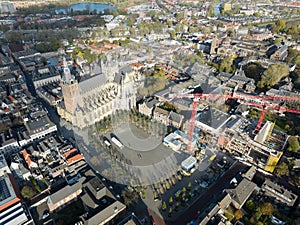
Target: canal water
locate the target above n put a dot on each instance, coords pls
(86, 6)
(217, 8)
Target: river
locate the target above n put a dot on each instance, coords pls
(217, 8)
(86, 6)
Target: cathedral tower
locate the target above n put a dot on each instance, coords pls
(70, 90)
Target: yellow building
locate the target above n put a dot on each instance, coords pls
(272, 161)
(226, 7)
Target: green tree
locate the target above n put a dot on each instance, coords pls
(43, 60)
(231, 32)
(267, 209)
(279, 26)
(182, 200)
(183, 190)
(254, 71)
(273, 75)
(169, 23)
(143, 194)
(170, 212)
(296, 78)
(293, 30)
(159, 73)
(296, 180)
(293, 56)
(250, 205)
(130, 197)
(173, 34)
(35, 184)
(238, 214)
(171, 201)
(277, 40)
(169, 107)
(226, 65)
(177, 195)
(257, 214)
(164, 206)
(28, 192)
(180, 15)
(293, 144)
(282, 169)
(189, 186)
(177, 206)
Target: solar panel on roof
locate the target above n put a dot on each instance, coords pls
(4, 191)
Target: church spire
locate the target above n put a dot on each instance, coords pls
(67, 77)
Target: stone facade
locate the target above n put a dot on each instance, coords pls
(110, 89)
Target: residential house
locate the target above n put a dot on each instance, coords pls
(175, 119)
(237, 196)
(131, 219)
(44, 75)
(183, 103)
(161, 115)
(30, 163)
(148, 105)
(199, 72)
(3, 166)
(241, 193)
(19, 171)
(101, 206)
(211, 119)
(64, 196)
(40, 127)
(279, 193)
(8, 143)
(278, 52)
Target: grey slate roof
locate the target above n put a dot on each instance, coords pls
(212, 117)
(158, 110)
(95, 69)
(40, 124)
(108, 212)
(92, 83)
(65, 192)
(126, 69)
(151, 102)
(175, 117)
(96, 187)
(100, 202)
(183, 101)
(279, 192)
(242, 191)
(199, 68)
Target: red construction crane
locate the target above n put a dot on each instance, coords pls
(262, 102)
(192, 123)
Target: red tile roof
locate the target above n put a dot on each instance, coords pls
(136, 64)
(27, 157)
(9, 204)
(68, 153)
(74, 159)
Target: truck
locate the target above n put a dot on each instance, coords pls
(107, 143)
(117, 142)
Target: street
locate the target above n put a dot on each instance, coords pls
(207, 197)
